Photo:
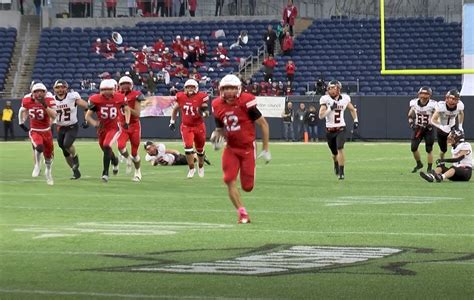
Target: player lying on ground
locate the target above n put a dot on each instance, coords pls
(158, 155)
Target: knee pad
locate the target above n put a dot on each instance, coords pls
(39, 148)
(201, 154)
(188, 151)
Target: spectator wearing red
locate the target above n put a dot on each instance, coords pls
(195, 75)
(159, 46)
(269, 64)
(167, 56)
(264, 88)
(289, 15)
(255, 89)
(192, 5)
(287, 44)
(177, 46)
(247, 86)
(223, 61)
(180, 71)
(290, 71)
(97, 46)
(111, 8)
(220, 50)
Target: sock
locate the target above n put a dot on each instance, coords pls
(341, 170)
(430, 167)
(106, 161)
(242, 211)
(37, 158)
(418, 163)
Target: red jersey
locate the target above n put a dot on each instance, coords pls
(131, 98)
(39, 118)
(189, 107)
(109, 111)
(240, 128)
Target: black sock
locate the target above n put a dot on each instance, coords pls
(341, 170)
(75, 159)
(106, 160)
(430, 167)
(336, 164)
(418, 163)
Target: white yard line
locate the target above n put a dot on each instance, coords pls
(111, 295)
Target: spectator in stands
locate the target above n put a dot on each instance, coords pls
(160, 8)
(269, 37)
(192, 5)
(300, 121)
(117, 76)
(37, 6)
(159, 45)
(255, 89)
(247, 86)
(180, 71)
(279, 32)
(289, 89)
(242, 39)
(111, 8)
(220, 50)
(269, 65)
(281, 89)
(97, 46)
(287, 44)
(290, 71)
(219, 5)
(288, 118)
(264, 88)
(174, 90)
(320, 87)
(195, 75)
(289, 15)
(132, 7)
(8, 115)
(311, 120)
(136, 78)
(252, 6)
(151, 82)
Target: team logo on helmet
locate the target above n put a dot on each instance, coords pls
(454, 93)
(425, 89)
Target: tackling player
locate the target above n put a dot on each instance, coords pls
(236, 114)
(419, 119)
(193, 107)
(41, 111)
(133, 132)
(461, 152)
(447, 114)
(107, 105)
(158, 154)
(67, 123)
(333, 105)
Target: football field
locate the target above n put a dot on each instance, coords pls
(382, 233)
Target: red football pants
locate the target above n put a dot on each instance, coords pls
(44, 138)
(195, 135)
(133, 133)
(243, 160)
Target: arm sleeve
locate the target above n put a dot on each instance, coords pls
(254, 113)
(91, 105)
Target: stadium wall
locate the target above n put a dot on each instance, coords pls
(381, 118)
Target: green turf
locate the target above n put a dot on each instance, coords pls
(78, 239)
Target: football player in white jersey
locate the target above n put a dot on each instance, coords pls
(67, 123)
(461, 169)
(448, 113)
(157, 154)
(419, 119)
(333, 105)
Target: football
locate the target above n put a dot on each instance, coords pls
(217, 140)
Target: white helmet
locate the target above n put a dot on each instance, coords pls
(125, 79)
(38, 86)
(192, 82)
(115, 83)
(231, 80)
(107, 84)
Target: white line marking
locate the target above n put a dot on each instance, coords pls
(111, 295)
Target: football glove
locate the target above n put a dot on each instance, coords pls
(356, 125)
(172, 126)
(85, 125)
(266, 155)
(217, 140)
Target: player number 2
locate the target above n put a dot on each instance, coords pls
(108, 112)
(337, 116)
(231, 123)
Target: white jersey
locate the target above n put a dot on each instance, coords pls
(161, 156)
(423, 113)
(335, 118)
(467, 160)
(447, 116)
(67, 109)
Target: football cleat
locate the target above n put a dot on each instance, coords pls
(76, 174)
(243, 219)
(437, 177)
(49, 176)
(138, 176)
(105, 178)
(341, 176)
(417, 167)
(36, 171)
(191, 173)
(427, 176)
(201, 172)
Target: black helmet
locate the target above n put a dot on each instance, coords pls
(147, 143)
(335, 83)
(425, 89)
(457, 135)
(453, 92)
(60, 82)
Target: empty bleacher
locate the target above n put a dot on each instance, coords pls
(7, 38)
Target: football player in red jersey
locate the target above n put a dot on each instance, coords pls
(41, 111)
(235, 114)
(133, 133)
(194, 108)
(108, 105)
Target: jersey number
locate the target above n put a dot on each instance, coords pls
(189, 110)
(422, 120)
(337, 116)
(37, 114)
(64, 115)
(108, 112)
(231, 123)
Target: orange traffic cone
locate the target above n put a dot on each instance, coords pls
(306, 137)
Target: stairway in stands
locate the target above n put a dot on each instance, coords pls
(24, 70)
